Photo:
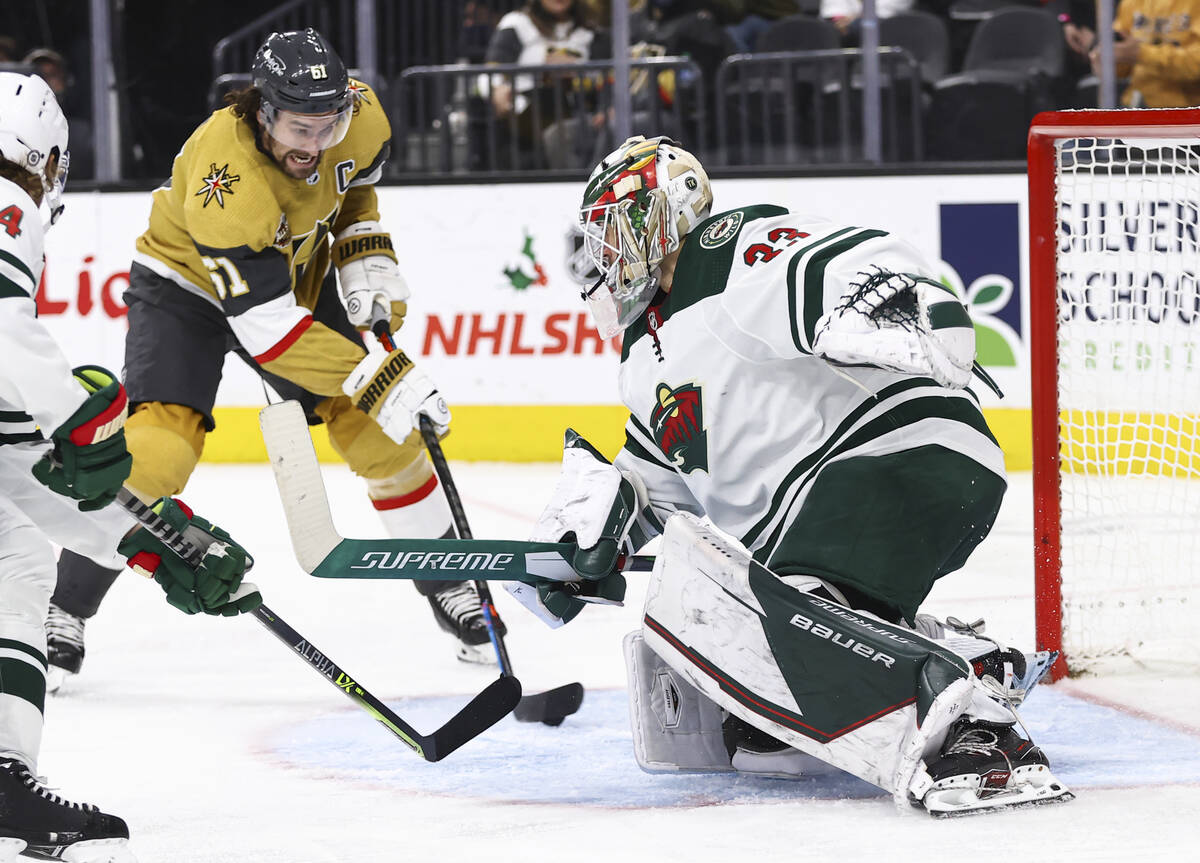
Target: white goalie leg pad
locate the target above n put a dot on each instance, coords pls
(872, 693)
(10, 847)
(675, 728)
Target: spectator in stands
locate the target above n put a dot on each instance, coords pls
(583, 139)
(51, 67)
(695, 29)
(846, 15)
(747, 19)
(9, 53)
(1078, 19)
(1158, 50)
(540, 32)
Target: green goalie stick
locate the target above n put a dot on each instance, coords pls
(323, 552)
(486, 709)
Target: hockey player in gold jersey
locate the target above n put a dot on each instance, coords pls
(266, 241)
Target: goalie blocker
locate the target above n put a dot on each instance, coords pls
(868, 697)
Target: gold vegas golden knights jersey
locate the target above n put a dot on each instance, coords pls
(232, 227)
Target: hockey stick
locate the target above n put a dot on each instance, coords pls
(323, 552)
(550, 707)
(484, 710)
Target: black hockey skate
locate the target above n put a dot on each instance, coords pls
(50, 827)
(458, 611)
(752, 750)
(987, 765)
(64, 646)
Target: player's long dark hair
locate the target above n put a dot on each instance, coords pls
(545, 22)
(15, 173)
(245, 104)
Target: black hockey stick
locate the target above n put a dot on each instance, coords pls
(550, 707)
(484, 710)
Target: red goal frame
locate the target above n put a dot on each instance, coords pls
(1047, 129)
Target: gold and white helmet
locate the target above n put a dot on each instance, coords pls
(32, 129)
(639, 204)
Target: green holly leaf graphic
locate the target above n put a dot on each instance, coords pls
(987, 294)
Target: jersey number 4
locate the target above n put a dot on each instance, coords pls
(225, 277)
(10, 220)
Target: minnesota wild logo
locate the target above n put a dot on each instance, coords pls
(217, 184)
(677, 423)
(518, 275)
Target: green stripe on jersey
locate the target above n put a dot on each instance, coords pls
(814, 282)
(21, 680)
(20, 265)
(793, 297)
(635, 448)
(835, 443)
(9, 288)
(904, 414)
(24, 437)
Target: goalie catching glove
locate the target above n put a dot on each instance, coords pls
(902, 323)
(368, 275)
(393, 392)
(211, 587)
(89, 461)
(593, 506)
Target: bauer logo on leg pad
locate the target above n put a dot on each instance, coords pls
(668, 709)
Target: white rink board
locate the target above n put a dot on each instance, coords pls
(519, 347)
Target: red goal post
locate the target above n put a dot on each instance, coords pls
(1114, 309)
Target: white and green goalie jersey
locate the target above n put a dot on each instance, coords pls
(732, 416)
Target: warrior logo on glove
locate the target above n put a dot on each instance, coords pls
(398, 363)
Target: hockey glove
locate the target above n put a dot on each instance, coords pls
(389, 389)
(592, 507)
(902, 323)
(368, 275)
(207, 588)
(89, 461)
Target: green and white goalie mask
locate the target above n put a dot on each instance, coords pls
(639, 204)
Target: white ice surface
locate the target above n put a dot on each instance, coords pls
(217, 744)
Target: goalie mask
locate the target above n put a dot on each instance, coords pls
(32, 130)
(639, 204)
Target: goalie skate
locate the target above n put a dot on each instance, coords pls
(985, 766)
(38, 824)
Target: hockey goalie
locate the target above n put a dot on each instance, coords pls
(803, 388)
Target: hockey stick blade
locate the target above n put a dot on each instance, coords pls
(550, 707)
(484, 710)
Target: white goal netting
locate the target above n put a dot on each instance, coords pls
(1129, 399)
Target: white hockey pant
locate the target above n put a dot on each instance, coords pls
(32, 518)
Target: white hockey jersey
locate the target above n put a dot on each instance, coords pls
(37, 394)
(36, 385)
(732, 415)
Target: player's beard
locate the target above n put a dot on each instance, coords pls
(293, 165)
(290, 161)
